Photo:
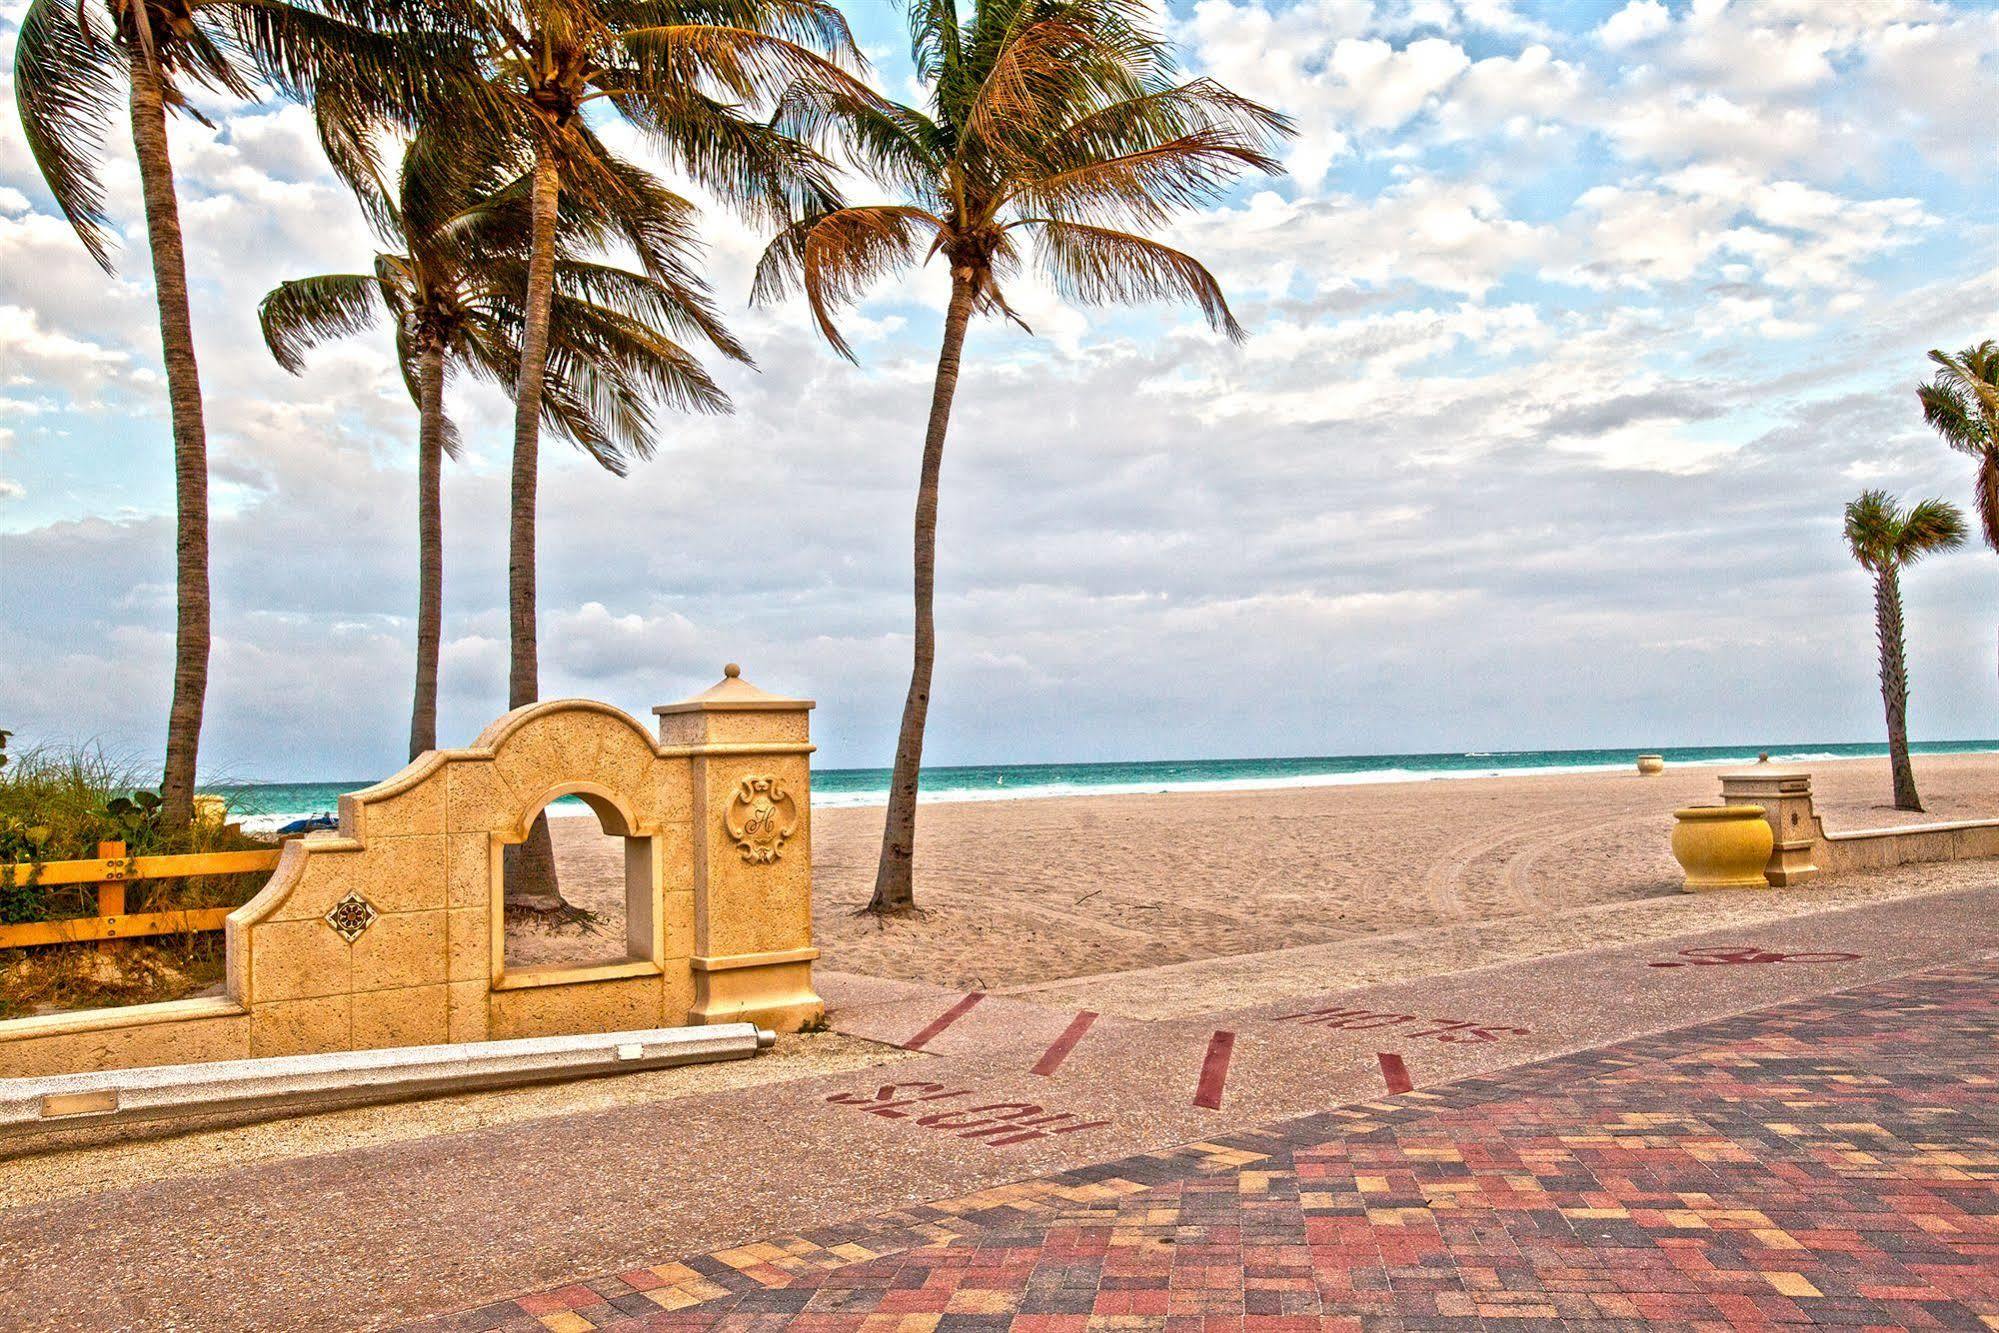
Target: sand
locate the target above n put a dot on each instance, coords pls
(1021, 893)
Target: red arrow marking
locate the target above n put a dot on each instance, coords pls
(1215, 1071)
(1393, 1072)
(1052, 1058)
(943, 1020)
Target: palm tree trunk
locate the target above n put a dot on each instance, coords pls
(156, 179)
(530, 868)
(430, 547)
(895, 889)
(1987, 495)
(1895, 685)
(1986, 491)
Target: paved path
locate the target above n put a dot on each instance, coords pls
(1831, 1161)
(1028, 1114)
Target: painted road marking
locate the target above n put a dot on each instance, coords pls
(1052, 1058)
(1725, 955)
(1363, 1020)
(995, 1124)
(1214, 1071)
(943, 1020)
(1393, 1072)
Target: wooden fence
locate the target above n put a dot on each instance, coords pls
(111, 872)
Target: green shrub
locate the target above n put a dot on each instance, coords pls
(58, 803)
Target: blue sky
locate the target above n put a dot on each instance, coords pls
(1572, 326)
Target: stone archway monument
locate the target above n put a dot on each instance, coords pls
(391, 931)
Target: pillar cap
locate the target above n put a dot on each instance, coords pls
(733, 694)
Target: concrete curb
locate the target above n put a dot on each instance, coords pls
(349, 1077)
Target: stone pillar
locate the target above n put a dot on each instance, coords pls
(1786, 797)
(752, 816)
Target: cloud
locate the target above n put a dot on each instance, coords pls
(1568, 342)
(1638, 21)
(1337, 86)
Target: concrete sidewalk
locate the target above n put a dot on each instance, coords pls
(1010, 1096)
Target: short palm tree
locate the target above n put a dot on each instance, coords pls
(458, 222)
(1886, 540)
(70, 60)
(1056, 124)
(1961, 403)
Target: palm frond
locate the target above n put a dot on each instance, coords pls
(896, 145)
(1931, 525)
(646, 365)
(1026, 89)
(935, 39)
(1882, 537)
(683, 311)
(297, 316)
(749, 65)
(406, 67)
(835, 256)
(811, 23)
(1097, 266)
(1871, 525)
(1949, 414)
(752, 166)
(1973, 372)
(67, 85)
(1171, 113)
(1146, 186)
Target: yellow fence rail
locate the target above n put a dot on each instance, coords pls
(111, 871)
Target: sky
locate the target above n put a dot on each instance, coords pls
(1572, 328)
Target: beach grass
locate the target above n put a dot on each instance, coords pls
(57, 803)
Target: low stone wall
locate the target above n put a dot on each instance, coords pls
(1875, 848)
(391, 932)
(1804, 849)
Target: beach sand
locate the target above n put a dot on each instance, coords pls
(1020, 893)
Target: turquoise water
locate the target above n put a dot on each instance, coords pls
(263, 805)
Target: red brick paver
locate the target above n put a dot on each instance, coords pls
(1832, 1161)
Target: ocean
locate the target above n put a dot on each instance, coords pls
(267, 805)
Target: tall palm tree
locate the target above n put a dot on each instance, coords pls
(684, 72)
(1060, 122)
(458, 220)
(1885, 540)
(69, 61)
(1962, 404)
(687, 74)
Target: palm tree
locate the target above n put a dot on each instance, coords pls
(69, 60)
(1962, 404)
(458, 219)
(1060, 121)
(684, 72)
(681, 71)
(1885, 540)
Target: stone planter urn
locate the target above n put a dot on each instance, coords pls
(1722, 846)
(1651, 765)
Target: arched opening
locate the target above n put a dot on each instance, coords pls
(606, 876)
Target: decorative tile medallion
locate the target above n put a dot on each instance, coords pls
(351, 915)
(760, 818)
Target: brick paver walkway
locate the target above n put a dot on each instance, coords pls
(1832, 1161)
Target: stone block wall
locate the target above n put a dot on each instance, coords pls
(391, 931)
